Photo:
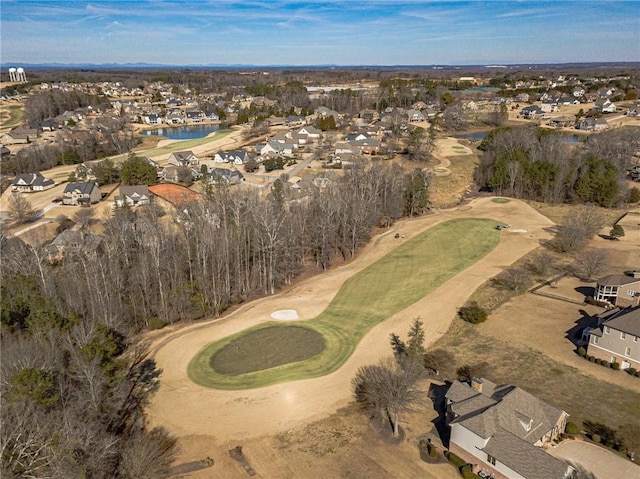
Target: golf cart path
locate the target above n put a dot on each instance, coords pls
(185, 408)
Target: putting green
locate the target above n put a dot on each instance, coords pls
(389, 285)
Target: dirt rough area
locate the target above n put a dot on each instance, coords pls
(226, 417)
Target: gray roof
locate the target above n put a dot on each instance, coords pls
(32, 179)
(617, 280)
(626, 321)
(513, 421)
(82, 188)
(529, 461)
(134, 191)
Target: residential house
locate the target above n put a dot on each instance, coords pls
(604, 105)
(616, 339)
(211, 116)
(237, 157)
(370, 146)
(73, 243)
(415, 116)
(618, 289)
(324, 112)
(30, 182)
(522, 98)
(134, 195)
(549, 106)
(86, 172)
(503, 430)
(193, 115)
(152, 119)
(562, 121)
(531, 112)
(20, 135)
(294, 120)
(277, 148)
(172, 174)
(81, 194)
(345, 147)
(174, 117)
(592, 124)
(224, 175)
(568, 100)
(183, 158)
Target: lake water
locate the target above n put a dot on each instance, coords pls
(190, 132)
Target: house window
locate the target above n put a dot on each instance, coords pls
(627, 351)
(491, 460)
(623, 335)
(594, 340)
(613, 359)
(607, 330)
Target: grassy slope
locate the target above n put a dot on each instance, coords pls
(391, 284)
(581, 395)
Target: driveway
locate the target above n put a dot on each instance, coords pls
(599, 461)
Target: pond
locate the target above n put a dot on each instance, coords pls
(190, 132)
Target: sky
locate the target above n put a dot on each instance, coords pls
(336, 32)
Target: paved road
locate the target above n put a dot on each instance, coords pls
(604, 464)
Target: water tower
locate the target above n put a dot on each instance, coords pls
(22, 76)
(12, 74)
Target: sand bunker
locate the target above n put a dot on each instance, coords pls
(518, 230)
(285, 315)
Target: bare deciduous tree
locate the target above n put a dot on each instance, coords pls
(589, 263)
(389, 388)
(20, 208)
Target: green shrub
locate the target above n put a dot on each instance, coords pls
(465, 468)
(591, 359)
(433, 452)
(572, 428)
(617, 231)
(615, 365)
(455, 460)
(632, 371)
(581, 351)
(156, 323)
(598, 361)
(473, 313)
(470, 475)
(595, 438)
(634, 195)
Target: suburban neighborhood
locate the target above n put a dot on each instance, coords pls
(320, 271)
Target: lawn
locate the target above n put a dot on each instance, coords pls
(391, 284)
(16, 112)
(563, 386)
(269, 347)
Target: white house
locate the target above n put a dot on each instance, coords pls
(183, 158)
(501, 429)
(29, 182)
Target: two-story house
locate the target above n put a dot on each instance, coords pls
(134, 195)
(503, 429)
(81, 194)
(618, 289)
(616, 339)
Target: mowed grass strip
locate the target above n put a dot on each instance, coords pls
(391, 284)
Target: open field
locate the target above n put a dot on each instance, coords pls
(187, 409)
(383, 289)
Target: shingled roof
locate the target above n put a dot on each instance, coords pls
(513, 421)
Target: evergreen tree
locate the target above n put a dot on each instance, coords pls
(415, 344)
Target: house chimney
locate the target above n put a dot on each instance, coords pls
(476, 384)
